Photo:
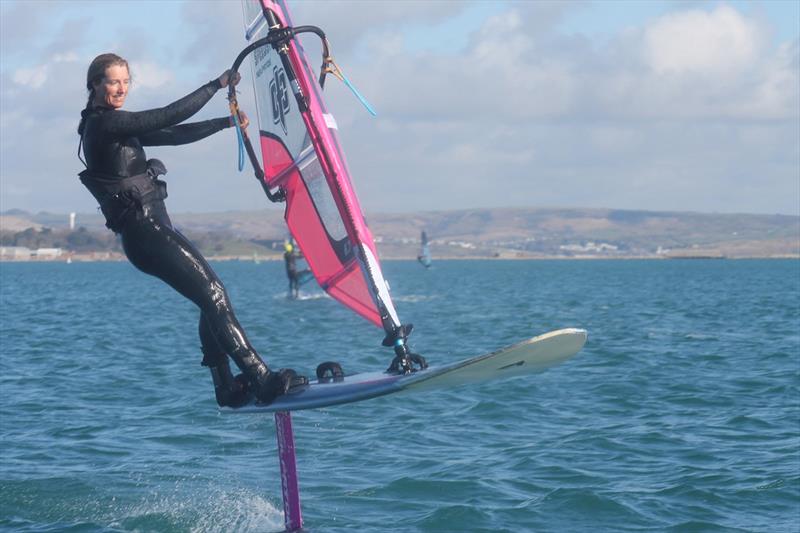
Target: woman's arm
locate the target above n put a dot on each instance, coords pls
(138, 123)
(184, 133)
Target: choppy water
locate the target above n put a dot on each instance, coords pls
(682, 412)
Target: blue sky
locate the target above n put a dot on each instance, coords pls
(662, 105)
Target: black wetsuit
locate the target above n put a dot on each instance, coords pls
(112, 144)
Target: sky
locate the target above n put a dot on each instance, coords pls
(685, 105)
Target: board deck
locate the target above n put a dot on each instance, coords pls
(526, 357)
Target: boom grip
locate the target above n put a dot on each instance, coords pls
(277, 37)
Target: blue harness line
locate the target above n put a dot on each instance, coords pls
(240, 139)
(358, 95)
(331, 67)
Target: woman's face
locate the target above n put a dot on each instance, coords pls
(113, 88)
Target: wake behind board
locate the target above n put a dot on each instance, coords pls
(527, 357)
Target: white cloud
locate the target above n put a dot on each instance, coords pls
(66, 57)
(33, 77)
(722, 41)
(150, 75)
(777, 94)
(36, 76)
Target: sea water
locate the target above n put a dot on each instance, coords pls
(681, 413)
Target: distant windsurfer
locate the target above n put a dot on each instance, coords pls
(424, 256)
(290, 256)
(131, 197)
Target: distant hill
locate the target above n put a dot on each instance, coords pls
(505, 233)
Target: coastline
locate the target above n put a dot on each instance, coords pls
(110, 257)
(471, 234)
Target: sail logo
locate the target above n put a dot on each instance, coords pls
(279, 92)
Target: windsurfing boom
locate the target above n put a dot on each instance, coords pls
(305, 167)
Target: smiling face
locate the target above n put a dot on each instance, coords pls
(112, 89)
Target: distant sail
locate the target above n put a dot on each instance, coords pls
(424, 256)
(302, 157)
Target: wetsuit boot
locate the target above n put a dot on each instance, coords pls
(265, 384)
(230, 391)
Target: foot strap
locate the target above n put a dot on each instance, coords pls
(329, 371)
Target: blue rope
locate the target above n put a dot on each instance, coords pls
(240, 139)
(358, 95)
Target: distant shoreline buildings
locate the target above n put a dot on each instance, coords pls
(23, 253)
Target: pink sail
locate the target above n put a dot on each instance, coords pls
(302, 155)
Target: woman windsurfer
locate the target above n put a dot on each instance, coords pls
(131, 197)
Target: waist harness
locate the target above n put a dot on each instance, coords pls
(120, 197)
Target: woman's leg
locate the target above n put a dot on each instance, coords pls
(228, 390)
(155, 248)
